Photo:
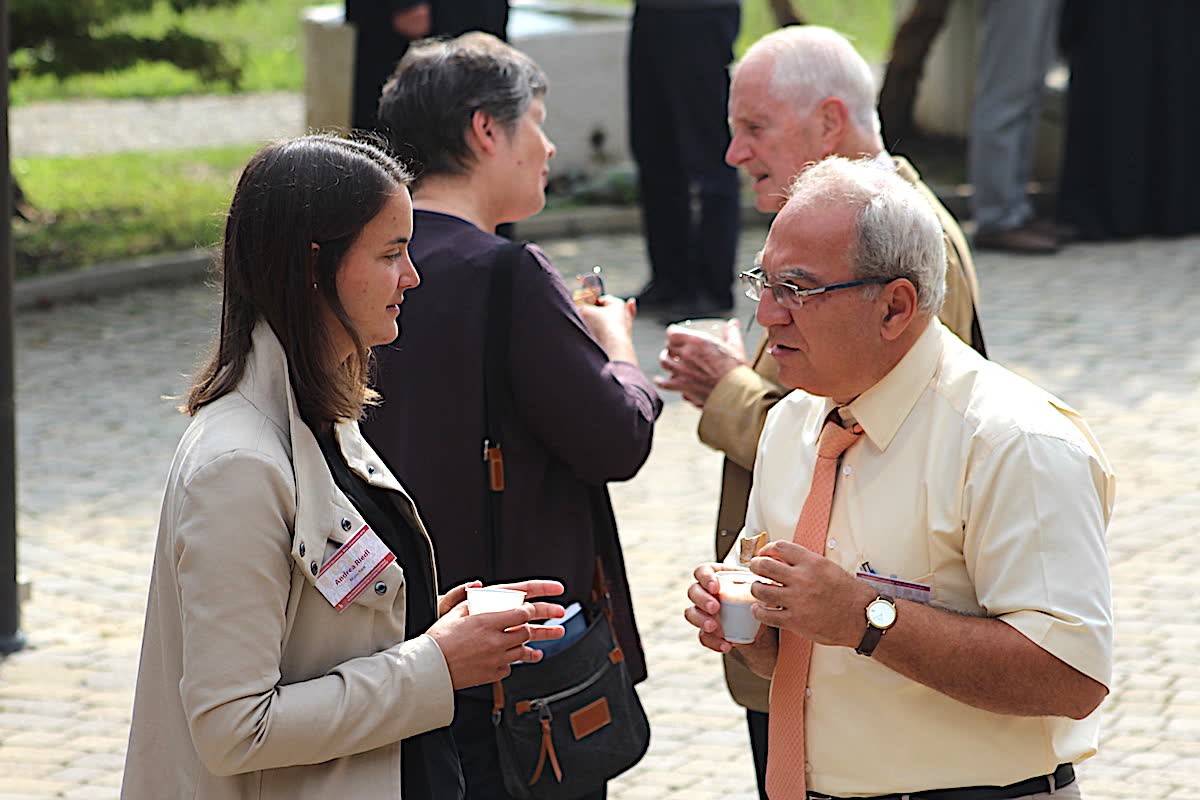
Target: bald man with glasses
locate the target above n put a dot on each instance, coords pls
(935, 611)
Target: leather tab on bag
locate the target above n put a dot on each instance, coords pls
(523, 707)
(616, 655)
(590, 718)
(497, 700)
(495, 460)
(547, 749)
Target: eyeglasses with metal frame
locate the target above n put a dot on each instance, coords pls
(789, 295)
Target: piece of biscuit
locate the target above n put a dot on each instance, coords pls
(750, 545)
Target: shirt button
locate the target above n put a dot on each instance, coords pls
(380, 588)
(370, 470)
(807, 767)
(313, 567)
(302, 549)
(807, 692)
(345, 524)
(833, 544)
(847, 470)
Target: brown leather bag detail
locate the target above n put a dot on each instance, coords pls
(590, 718)
(547, 749)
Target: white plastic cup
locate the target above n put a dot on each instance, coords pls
(712, 328)
(737, 621)
(484, 599)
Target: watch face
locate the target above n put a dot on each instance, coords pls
(881, 613)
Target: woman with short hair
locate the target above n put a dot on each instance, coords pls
(468, 113)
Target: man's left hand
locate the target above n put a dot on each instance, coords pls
(696, 364)
(815, 597)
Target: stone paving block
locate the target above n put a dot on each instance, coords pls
(33, 787)
(88, 791)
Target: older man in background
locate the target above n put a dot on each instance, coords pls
(798, 95)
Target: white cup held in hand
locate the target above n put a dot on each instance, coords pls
(737, 621)
(482, 599)
(712, 328)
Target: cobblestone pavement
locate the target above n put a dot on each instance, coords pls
(1112, 329)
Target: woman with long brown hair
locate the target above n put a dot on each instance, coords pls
(295, 645)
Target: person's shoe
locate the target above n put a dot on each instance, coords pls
(697, 308)
(1024, 239)
(1062, 232)
(656, 296)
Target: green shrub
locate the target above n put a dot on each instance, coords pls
(68, 37)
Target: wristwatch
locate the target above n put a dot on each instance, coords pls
(881, 615)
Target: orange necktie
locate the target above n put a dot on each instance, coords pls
(786, 774)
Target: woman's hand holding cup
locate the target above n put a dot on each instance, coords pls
(480, 648)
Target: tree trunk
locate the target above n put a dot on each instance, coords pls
(910, 48)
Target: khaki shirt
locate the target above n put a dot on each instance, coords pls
(995, 494)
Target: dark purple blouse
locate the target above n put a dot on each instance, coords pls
(578, 421)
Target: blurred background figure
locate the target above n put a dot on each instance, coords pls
(1017, 43)
(1129, 165)
(385, 27)
(679, 54)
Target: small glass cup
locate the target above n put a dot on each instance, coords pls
(591, 288)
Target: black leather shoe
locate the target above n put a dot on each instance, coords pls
(1062, 232)
(1024, 239)
(655, 296)
(694, 309)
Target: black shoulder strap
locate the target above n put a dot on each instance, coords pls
(497, 392)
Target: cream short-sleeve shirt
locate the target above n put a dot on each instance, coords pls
(994, 493)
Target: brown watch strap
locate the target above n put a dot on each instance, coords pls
(870, 641)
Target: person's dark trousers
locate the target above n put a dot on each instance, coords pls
(757, 722)
(476, 742)
(377, 49)
(455, 17)
(678, 97)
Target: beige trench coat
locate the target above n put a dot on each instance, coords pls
(734, 413)
(251, 685)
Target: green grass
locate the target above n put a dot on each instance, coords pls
(263, 36)
(867, 23)
(106, 208)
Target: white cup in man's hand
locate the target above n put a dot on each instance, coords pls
(737, 620)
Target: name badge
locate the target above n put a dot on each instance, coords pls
(894, 587)
(350, 570)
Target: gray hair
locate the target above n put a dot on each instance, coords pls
(811, 63)
(899, 235)
(439, 84)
